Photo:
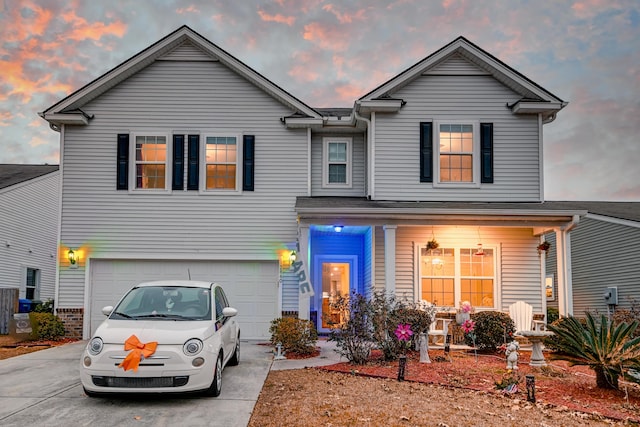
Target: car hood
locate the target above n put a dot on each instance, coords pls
(162, 331)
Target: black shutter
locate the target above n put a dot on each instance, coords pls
(177, 183)
(248, 169)
(193, 162)
(426, 152)
(122, 174)
(486, 152)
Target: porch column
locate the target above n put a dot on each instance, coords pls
(390, 258)
(565, 287)
(304, 301)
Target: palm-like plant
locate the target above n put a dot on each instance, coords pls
(606, 347)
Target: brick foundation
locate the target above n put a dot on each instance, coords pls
(72, 319)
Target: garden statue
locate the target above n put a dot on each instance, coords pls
(512, 354)
(424, 348)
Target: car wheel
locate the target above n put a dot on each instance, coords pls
(216, 385)
(235, 359)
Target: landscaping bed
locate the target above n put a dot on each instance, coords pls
(458, 390)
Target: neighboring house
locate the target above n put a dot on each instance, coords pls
(605, 252)
(184, 162)
(29, 209)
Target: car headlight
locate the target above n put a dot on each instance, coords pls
(192, 347)
(95, 346)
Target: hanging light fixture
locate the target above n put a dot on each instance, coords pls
(479, 251)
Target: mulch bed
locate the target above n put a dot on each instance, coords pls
(558, 384)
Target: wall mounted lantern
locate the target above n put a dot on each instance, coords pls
(73, 259)
(338, 228)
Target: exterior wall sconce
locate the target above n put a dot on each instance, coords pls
(288, 258)
(338, 228)
(73, 259)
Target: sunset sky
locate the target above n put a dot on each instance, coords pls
(329, 53)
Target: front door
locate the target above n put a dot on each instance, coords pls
(335, 278)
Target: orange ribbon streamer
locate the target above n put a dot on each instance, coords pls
(138, 352)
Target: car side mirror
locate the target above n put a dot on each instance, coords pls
(107, 310)
(229, 312)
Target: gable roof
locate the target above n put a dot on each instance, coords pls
(68, 110)
(11, 174)
(531, 92)
(629, 211)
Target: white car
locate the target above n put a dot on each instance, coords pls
(195, 332)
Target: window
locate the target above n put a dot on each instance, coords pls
(452, 274)
(220, 163)
(336, 168)
(457, 153)
(150, 166)
(32, 284)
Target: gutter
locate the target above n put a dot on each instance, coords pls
(573, 224)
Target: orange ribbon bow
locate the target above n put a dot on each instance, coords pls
(138, 352)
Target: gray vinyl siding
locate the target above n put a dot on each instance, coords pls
(551, 266)
(29, 230)
(456, 64)
(520, 277)
(604, 254)
(472, 97)
(182, 97)
(290, 291)
(357, 168)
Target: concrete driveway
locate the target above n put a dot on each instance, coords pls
(43, 389)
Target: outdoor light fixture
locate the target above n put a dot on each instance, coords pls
(73, 259)
(338, 228)
(292, 257)
(531, 388)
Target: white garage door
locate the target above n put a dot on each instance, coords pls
(251, 286)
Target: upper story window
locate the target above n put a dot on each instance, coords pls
(220, 163)
(151, 152)
(457, 153)
(336, 162)
(451, 274)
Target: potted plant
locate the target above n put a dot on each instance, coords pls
(464, 312)
(432, 244)
(543, 247)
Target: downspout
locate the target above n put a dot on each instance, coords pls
(370, 152)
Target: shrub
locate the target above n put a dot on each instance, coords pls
(354, 338)
(604, 346)
(628, 315)
(553, 314)
(492, 328)
(296, 335)
(44, 307)
(46, 326)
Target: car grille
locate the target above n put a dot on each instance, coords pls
(140, 382)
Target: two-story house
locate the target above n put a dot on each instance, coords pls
(185, 162)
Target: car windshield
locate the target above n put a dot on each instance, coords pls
(165, 303)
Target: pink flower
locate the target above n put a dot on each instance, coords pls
(466, 307)
(468, 326)
(404, 332)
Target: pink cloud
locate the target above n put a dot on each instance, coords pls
(325, 37)
(81, 29)
(345, 18)
(190, 9)
(281, 19)
(5, 117)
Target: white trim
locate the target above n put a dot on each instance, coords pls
(475, 153)
(181, 256)
(56, 283)
(133, 162)
(541, 157)
(619, 221)
(202, 185)
(352, 260)
(497, 266)
(390, 257)
(325, 161)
